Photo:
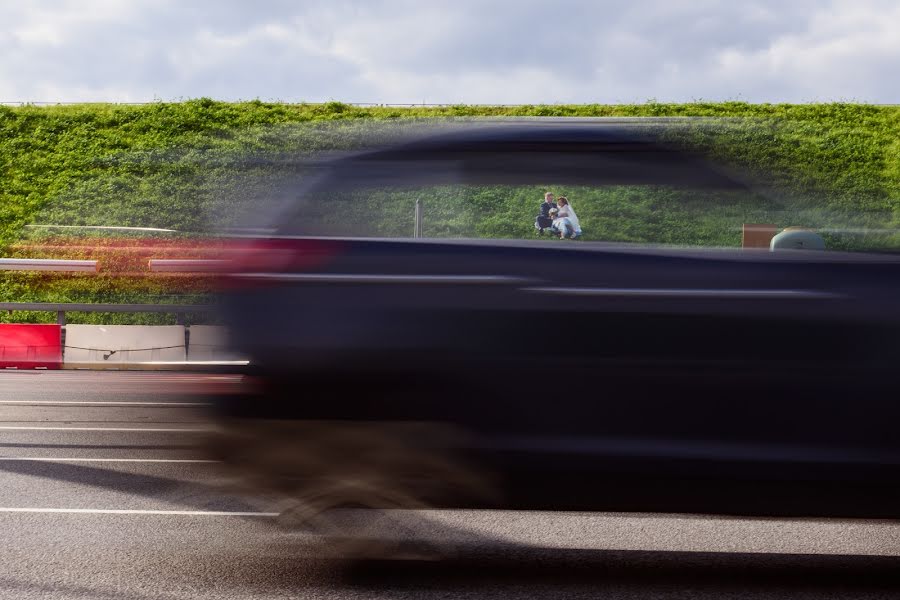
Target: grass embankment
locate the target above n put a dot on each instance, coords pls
(167, 165)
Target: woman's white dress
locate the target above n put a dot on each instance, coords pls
(567, 219)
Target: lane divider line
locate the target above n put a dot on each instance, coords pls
(384, 278)
(139, 430)
(100, 403)
(736, 294)
(109, 460)
(114, 511)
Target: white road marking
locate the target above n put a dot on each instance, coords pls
(738, 294)
(124, 376)
(110, 460)
(144, 429)
(113, 511)
(385, 278)
(101, 403)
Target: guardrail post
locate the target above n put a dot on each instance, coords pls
(187, 342)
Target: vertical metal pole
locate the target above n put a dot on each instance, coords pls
(418, 229)
(61, 321)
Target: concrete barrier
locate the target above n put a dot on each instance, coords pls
(30, 346)
(210, 343)
(216, 366)
(112, 344)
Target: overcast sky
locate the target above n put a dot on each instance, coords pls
(397, 51)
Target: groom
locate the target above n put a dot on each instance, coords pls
(543, 220)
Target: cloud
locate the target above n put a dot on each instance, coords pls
(397, 51)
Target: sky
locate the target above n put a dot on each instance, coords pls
(448, 52)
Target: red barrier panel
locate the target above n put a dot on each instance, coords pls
(30, 346)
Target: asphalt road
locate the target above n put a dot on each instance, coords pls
(105, 493)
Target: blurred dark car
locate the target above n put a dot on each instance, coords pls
(556, 374)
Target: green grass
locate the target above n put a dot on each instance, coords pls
(167, 164)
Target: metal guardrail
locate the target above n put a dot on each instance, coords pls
(188, 265)
(47, 264)
(101, 228)
(156, 265)
(61, 308)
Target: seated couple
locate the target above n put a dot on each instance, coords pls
(559, 217)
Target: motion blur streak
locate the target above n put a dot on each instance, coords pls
(555, 374)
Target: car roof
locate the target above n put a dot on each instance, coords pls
(525, 152)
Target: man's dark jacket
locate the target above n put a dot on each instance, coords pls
(543, 219)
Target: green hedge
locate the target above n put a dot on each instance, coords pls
(165, 164)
